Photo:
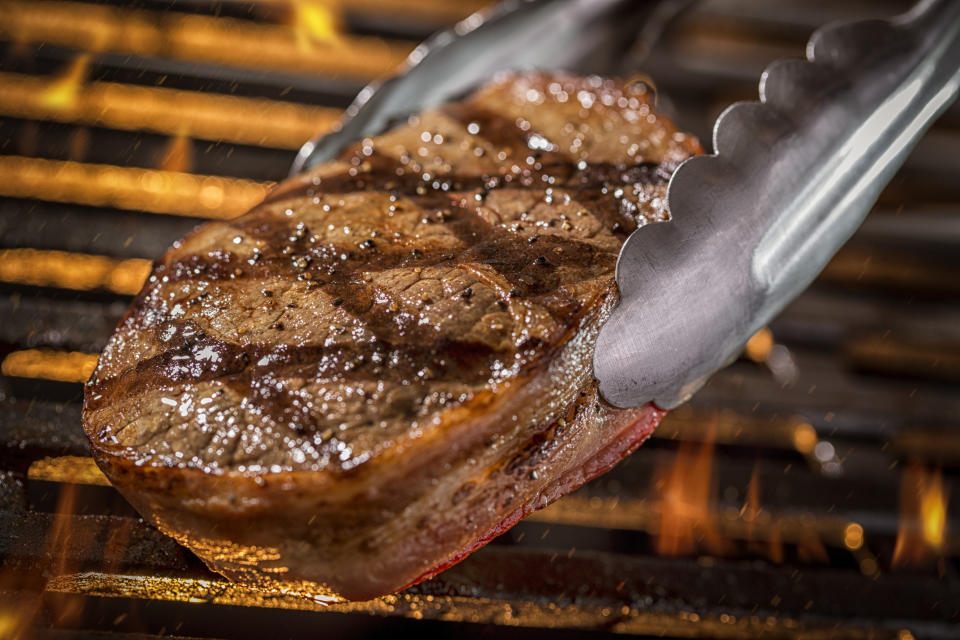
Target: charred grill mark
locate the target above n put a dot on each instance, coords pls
(379, 174)
(505, 134)
(402, 350)
(338, 269)
(593, 184)
(529, 273)
(252, 369)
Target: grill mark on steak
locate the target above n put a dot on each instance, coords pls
(529, 273)
(532, 269)
(328, 263)
(375, 371)
(240, 365)
(591, 184)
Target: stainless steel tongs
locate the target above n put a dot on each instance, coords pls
(792, 177)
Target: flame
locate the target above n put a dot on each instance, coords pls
(751, 508)
(316, 22)
(923, 517)
(61, 539)
(687, 505)
(178, 155)
(760, 527)
(195, 38)
(62, 92)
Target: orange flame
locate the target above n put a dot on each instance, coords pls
(18, 623)
(923, 517)
(766, 540)
(751, 508)
(62, 92)
(178, 155)
(686, 500)
(316, 22)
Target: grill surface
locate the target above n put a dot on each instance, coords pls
(810, 490)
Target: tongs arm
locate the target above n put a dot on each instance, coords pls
(792, 179)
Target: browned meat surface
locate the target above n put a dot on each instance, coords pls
(390, 360)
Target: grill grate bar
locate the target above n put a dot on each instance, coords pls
(252, 121)
(155, 191)
(594, 590)
(194, 38)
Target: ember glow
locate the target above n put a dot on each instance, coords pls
(687, 502)
(317, 22)
(921, 534)
(62, 92)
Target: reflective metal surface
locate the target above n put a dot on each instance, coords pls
(793, 177)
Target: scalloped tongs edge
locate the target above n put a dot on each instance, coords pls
(791, 179)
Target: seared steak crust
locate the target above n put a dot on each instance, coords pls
(390, 359)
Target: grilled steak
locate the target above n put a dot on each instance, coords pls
(389, 361)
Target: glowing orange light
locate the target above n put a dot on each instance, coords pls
(804, 438)
(195, 38)
(9, 624)
(933, 513)
(62, 92)
(45, 364)
(62, 538)
(759, 345)
(130, 188)
(255, 121)
(316, 22)
(78, 271)
(923, 517)
(684, 494)
(853, 536)
(67, 469)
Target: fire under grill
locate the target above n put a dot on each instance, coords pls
(811, 490)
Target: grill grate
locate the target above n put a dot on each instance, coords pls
(125, 123)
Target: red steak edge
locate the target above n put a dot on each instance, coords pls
(626, 442)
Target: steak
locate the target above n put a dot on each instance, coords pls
(389, 361)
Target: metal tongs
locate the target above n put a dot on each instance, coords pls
(792, 177)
